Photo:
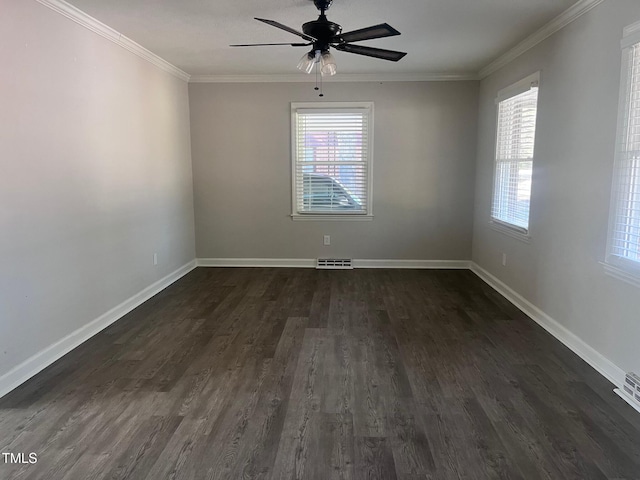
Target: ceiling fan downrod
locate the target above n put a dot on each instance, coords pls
(322, 5)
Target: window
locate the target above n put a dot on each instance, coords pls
(516, 133)
(623, 250)
(331, 167)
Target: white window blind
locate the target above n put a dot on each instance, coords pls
(624, 236)
(514, 158)
(331, 160)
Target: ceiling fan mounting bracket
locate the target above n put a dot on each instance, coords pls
(322, 5)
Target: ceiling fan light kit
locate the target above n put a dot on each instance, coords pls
(326, 60)
(328, 64)
(322, 34)
(307, 61)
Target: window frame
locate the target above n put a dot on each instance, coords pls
(513, 90)
(333, 216)
(617, 266)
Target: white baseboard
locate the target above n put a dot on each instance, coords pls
(413, 264)
(599, 362)
(311, 263)
(46, 357)
(257, 262)
(627, 399)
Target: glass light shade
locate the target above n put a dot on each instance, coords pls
(306, 62)
(328, 64)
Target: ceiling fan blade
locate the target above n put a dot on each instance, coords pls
(375, 31)
(270, 44)
(390, 55)
(273, 23)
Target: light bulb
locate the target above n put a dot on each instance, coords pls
(328, 64)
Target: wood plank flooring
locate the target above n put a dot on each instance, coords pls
(307, 374)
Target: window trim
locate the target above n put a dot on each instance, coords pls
(517, 88)
(616, 266)
(333, 216)
(510, 230)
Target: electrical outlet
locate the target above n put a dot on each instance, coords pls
(155, 259)
(504, 259)
(327, 240)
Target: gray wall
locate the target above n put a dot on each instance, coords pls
(423, 169)
(95, 176)
(559, 270)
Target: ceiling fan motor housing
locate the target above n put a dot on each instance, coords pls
(323, 30)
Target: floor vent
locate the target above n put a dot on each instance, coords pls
(632, 386)
(335, 264)
(630, 391)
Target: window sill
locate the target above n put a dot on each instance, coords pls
(510, 232)
(632, 278)
(330, 218)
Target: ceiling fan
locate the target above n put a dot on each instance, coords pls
(321, 34)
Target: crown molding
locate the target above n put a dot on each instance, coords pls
(347, 77)
(96, 26)
(561, 21)
(565, 18)
(631, 29)
(630, 35)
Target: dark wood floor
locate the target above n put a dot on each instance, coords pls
(306, 374)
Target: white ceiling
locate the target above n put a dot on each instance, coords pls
(440, 36)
